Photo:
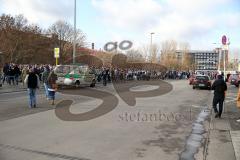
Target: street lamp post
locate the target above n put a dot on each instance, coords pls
(74, 40)
(151, 50)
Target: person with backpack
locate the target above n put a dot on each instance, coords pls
(33, 83)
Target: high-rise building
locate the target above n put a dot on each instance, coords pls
(203, 60)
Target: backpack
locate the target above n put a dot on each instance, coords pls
(32, 80)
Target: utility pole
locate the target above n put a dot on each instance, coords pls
(151, 49)
(74, 41)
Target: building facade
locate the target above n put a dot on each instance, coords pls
(205, 60)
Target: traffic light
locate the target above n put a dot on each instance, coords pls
(92, 45)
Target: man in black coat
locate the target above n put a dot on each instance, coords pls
(32, 81)
(219, 86)
(17, 73)
(5, 72)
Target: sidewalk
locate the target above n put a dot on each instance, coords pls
(223, 141)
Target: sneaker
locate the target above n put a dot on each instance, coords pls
(216, 115)
(238, 120)
(34, 106)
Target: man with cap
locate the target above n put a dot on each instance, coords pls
(219, 86)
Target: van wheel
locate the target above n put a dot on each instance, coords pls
(193, 87)
(77, 83)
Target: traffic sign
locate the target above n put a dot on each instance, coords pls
(224, 40)
(56, 53)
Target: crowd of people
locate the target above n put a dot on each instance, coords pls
(32, 76)
(12, 73)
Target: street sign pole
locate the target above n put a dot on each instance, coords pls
(224, 64)
(56, 55)
(224, 42)
(219, 59)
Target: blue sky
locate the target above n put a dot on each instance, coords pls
(198, 22)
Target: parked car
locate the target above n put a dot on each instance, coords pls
(234, 79)
(75, 75)
(202, 81)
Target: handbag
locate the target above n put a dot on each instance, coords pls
(54, 86)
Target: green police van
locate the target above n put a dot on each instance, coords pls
(75, 75)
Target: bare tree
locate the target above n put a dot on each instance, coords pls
(187, 60)
(65, 35)
(134, 55)
(154, 53)
(150, 53)
(22, 42)
(144, 50)
(168, 54)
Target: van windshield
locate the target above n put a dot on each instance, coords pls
(62, 69)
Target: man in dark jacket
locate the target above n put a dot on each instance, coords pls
(219, 86)
(11, 75)
(17, 73)
(104, 76)
(32, 81)
(5, 72)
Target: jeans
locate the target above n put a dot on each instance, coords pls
(16, 79)
(46, 89)
(219, 101)
(5, 78)
(32, 97)
(11, 79)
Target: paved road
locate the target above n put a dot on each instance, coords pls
(126, 132)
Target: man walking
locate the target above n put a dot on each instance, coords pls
(32, 81)
(5, 73)
(104, 76)
(17, 73)
(219, 86)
